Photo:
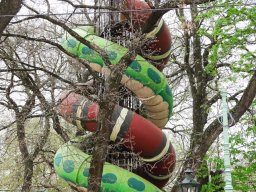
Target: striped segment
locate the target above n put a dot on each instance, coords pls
(161, 177)
(159, 47)
(122, 119)
(160, 152)
(138, 134)
(81, 113)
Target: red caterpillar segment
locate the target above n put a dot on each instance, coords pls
(139, 134)
(138, 18)
(157, 48)
(159, 172)
(79, 111)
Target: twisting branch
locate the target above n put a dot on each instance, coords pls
(164, 8)
(71, 32)
(214, 129)
(81, 61)
(90, 6)
(36, 68)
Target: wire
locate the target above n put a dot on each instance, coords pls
(125, 11)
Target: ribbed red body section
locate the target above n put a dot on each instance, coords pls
(141, 136)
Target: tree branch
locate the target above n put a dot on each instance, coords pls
(82, 61)
(90, 6)
(214, 129)
(157, 14)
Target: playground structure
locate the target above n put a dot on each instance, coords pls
(140, 135)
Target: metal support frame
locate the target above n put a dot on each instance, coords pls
(227, 177)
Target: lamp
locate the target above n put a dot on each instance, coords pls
(189, 184)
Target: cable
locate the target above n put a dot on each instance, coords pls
(130, 10)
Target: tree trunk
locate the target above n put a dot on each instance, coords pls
(8, 8)
(28, 175)
(26, 158)
(100, 150)
(109, 99)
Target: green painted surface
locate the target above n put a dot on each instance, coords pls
(141, 71)
(73, 165)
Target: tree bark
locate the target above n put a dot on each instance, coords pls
(215, 128)
(100, 149)
(202, 138)
(8, 8)
(109, 99)
(27, 159)
(28, 175)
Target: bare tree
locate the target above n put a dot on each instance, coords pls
(28, 78)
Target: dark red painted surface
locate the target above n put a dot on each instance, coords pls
(138, 18)
(141, 137)
(161, 43)
(92, 114)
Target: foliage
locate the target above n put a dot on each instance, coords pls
(243, 161)
(212, 179)
(233, 31)
(243, 157)
(11, 166)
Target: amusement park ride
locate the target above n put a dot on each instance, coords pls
(142, 158)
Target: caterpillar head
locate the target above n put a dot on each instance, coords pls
(137, 17)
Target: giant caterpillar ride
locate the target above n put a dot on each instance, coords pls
(139, 135)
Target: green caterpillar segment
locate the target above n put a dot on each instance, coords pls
(149, 76)
(157, 110)
(73, 165)
(140, 69)
(75, 47)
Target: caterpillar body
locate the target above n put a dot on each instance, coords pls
(140, 135)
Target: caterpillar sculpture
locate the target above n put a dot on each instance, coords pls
(139, 135)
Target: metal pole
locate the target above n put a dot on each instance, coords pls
(228, 180)
(114, 16)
